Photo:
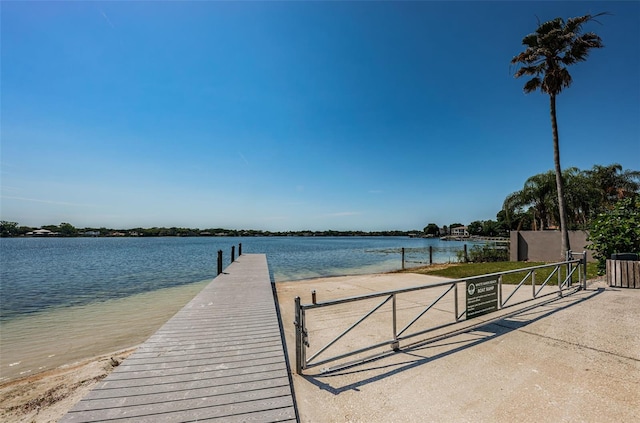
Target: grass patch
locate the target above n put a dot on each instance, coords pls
(465, 270)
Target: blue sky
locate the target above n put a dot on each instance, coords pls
(295, 115)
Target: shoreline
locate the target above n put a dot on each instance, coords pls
(62, 336)
(49, 395)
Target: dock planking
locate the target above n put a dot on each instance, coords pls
(220, 358)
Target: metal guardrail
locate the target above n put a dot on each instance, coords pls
(479, 295)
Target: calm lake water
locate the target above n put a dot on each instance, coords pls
(65, 299)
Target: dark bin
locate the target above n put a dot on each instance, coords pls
(624, 256)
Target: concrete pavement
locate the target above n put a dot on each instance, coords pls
(576, 359)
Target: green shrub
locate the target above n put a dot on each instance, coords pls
(485, 254)
(616, 231)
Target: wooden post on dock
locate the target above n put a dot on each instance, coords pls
(402, 258)
(430, 254)
(219, 261)
(233, 253)
(239, 249)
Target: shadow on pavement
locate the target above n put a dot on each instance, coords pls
(427, 351)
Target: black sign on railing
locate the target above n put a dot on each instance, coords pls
(482, 296)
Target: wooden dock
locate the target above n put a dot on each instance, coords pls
(220, 358)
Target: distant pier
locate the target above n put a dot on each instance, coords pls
(220, 358)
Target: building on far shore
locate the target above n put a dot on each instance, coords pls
(41, 232)
(460, 231)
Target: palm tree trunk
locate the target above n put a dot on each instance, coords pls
(565, 246)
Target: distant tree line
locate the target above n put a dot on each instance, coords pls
(13, 229)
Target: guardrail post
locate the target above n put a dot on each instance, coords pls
(455, 301)
(299, 327)
(499, 292)
(568, 267)
(584, 267)
(301, 337)
(396, 344)
(239, 249)
(559, 270)
(533, 284)
(466, 257)
(233, 253)
(430, 254)
(402, 258)
(219, 261)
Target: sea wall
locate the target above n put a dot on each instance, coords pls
(545, 245)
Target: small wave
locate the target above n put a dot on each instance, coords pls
(15, 364)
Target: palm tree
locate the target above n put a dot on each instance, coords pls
(581, 198)
(537, 197)
(613, 183)
(555, 45)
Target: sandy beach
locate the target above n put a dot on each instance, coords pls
(46, 397)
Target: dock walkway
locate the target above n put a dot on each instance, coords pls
(220, 358)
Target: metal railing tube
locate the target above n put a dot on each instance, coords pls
(584, 266)
(426, 309)
(558, 268)
(348, 354)
(304, 337)
(580, 275)
(517, 287)
(455, 300)
(500, 303)
(569, 278)
(302, 343)
(420, 287)
(396, 344)
(546, 280)
(299, 346)
(568, 258)
(323, 349)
